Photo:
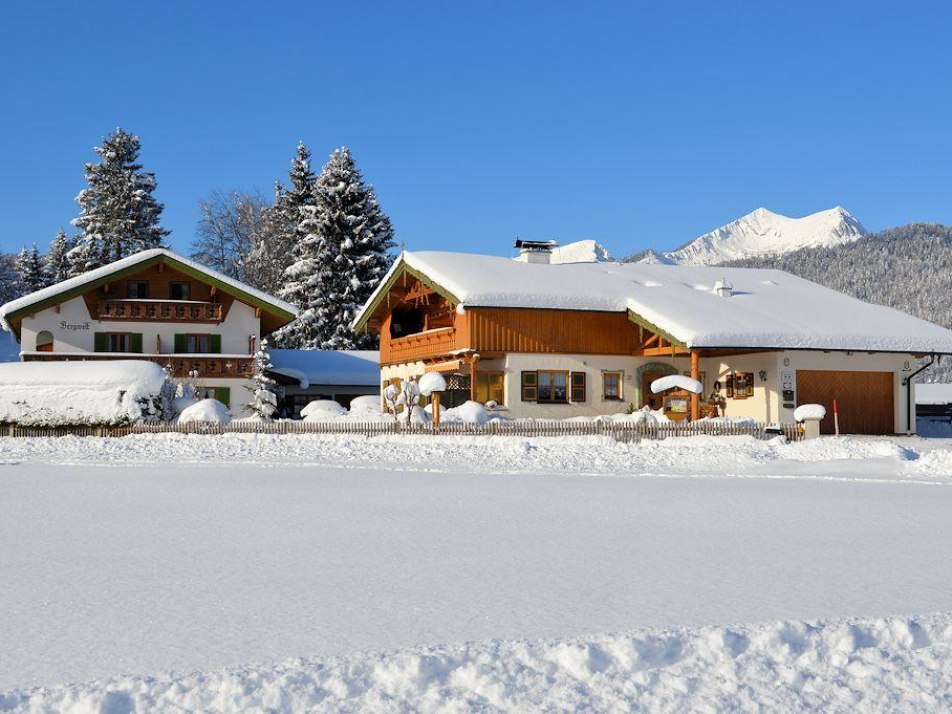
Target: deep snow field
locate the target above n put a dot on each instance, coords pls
(287, 573)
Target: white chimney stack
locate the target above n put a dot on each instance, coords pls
(535, 251)
(723, 288)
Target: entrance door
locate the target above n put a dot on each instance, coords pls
(865, 399)
(649, 398)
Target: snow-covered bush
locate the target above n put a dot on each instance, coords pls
(205, 410)
(322, 410)
(366, 404)
(469, 412)
(400, 399)
(97, 393)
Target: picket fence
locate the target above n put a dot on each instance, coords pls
(624, 432)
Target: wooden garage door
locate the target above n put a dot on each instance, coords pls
(865, 399)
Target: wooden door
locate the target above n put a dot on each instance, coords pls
(649, 398)
(865, 399)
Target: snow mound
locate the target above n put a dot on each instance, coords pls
(59, 393)
(205, 410)
(856, 664)
(367, 404)
(321, 410)
(180, 404)
(469, 412)
(431, 382)
(809, 411)
(677, 381)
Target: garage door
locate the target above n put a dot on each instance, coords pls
(865, 399)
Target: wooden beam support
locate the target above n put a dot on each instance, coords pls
(670, 351)
(472, 377)
(695, 374)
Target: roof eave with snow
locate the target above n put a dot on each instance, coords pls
(72, 287)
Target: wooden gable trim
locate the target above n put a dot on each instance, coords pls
(651, 327)
(384, 292)
(85, 287)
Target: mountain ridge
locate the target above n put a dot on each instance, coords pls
(761, 233)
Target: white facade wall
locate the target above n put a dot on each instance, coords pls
(73, 329)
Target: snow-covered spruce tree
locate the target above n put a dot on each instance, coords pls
(10, 286)
(119, 215)
(57, 259)
(339, 261)
(280, 230)
(31, 269)
(264, 389)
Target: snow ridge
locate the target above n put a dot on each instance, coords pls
(881, 664)
(762, 233)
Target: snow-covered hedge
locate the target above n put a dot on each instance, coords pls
(43, 394)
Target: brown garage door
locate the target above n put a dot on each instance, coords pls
(865, 399)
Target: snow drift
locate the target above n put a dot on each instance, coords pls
(64, 394)
(870, 664)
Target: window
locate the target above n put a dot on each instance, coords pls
(197, 344)
(490, 387)
(222, 394)
(117, 342)
(138, 289)
(553, 386)
(44, 341)
(180, 291)
(611, 386)
(740, 385)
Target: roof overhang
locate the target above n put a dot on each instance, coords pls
(398, 271)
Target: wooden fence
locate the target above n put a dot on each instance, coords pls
(624, 432)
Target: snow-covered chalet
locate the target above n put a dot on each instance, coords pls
(156, 306)
(536, 338)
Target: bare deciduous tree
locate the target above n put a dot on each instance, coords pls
(228, 223)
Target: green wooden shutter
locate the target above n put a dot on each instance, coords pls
(214, 342)
(181, 344)
(100, 342)
(223, 394)
(135, 342)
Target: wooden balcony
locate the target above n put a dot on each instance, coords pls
(181, 365)
(419, 346)
(159, 310)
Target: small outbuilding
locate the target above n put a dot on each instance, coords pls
(336, 375)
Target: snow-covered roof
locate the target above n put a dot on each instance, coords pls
(131, 261)
(933, 393)
(106, 374)
(767, 308)
(357, 368)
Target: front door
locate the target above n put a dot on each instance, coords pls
(648, 398)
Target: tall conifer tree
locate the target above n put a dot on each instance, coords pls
(31, 269)
(339, 260)
(57, 259)
(119, 215)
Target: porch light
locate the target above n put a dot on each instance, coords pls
(763, 375)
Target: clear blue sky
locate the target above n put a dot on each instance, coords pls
(639, 124)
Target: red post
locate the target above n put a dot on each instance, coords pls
(836, 418)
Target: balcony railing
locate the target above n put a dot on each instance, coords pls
(181, 365)
(421, 345)
(161, 310)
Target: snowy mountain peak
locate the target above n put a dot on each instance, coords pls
(581, 251)
(763, 232)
